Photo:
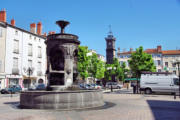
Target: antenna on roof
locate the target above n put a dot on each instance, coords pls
(110, 31)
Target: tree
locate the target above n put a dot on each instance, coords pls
(141, 61)
(83, 62)
(109, 71)
(96, 67)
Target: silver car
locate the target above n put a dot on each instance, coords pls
(114, 85)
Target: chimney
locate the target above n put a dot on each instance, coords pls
(51, 32)
(3, 15)
(159, 48)
(39, 28)
(131, 49)
(13, 22)
(33, 28)
(45, 34)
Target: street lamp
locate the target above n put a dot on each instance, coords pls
(29, 72)
(177, 62)
(110, 68)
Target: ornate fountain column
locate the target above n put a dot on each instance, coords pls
(62, 52)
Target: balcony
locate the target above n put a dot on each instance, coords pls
(15, 71)
(16, 51)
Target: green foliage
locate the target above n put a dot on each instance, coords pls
(96, 67)
(115, 69)
(108, 71)
(89, 65)
(141, 61)
(83, 61)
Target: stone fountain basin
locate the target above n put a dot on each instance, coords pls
(62, 100)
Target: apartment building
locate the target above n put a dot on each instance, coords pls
(23, 58)
(163, 59)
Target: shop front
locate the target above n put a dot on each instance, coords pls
(29, 81)
(11, 80)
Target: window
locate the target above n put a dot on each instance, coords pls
(166, 64)
(1, 31)
(30, 36)
(159, 62)
(158, 55)
(16, 46)
(30, 50)
(174, 65)
(155, 62)
(39, 66)
(15, 62)
(39, 52)
(176, 81)
(30, 63)
(16, 32)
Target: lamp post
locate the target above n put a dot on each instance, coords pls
(177, 62)
(110, 68)
(29, 72)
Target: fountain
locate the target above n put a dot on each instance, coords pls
(62, 91)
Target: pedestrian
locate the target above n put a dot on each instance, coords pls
(134, 88)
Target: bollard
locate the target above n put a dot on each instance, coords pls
(175, 95)
(11, 94)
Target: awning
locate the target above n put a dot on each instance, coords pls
(131, 79)
(32, 78)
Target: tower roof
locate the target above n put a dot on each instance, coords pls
(110, 34)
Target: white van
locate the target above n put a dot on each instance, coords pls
(159, 82)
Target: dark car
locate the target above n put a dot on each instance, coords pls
(11, 89)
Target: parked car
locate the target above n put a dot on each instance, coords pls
(114, 85)
(86, 86)
(11, 89)
(96, 86)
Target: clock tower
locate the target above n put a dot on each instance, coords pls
(110, 47)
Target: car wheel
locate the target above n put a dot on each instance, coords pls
(118, 87)
(148, 91)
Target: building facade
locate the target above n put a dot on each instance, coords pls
(163, 59)
(25, 54)
(2, 54)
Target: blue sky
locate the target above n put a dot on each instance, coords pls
(134, 23)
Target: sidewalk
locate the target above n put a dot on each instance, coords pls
(118, 107)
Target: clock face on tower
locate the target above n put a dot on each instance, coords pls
(109, 43)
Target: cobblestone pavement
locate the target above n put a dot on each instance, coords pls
(118, 107)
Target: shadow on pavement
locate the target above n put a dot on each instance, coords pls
(107, 105)
(165, 110)
(11, 103)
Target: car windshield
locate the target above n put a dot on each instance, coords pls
(176, 81)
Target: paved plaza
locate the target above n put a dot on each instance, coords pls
(118, 106)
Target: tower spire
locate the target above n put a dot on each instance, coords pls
(110, 31)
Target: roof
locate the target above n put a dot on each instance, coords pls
(153, 51)
(150, 51)
(171, 52)
(7, 24)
